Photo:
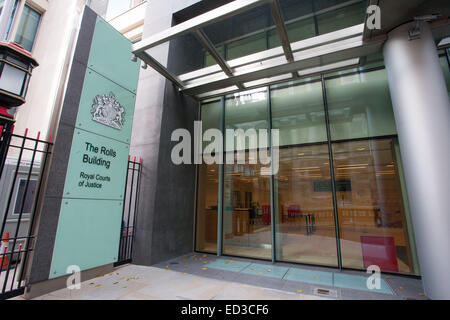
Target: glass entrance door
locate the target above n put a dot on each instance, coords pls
(295, 216)
(372, 220)
(304, 212)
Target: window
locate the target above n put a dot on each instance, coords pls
(208, 187)
(339, 197)
(28, 27)
(246, 196)
(445, 64)
(360, 106)
(255, 31)
(372, 220)
(305, 227)
(29, 198)
(11, 18)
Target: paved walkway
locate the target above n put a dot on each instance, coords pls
(206, 277)
(150, 283)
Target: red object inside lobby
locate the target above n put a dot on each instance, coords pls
(379, 251)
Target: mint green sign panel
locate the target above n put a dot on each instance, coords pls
(99, 96)
(84, 241)
(90, 220)
(97, 167)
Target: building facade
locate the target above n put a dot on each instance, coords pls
(349, 192)
(362, 112)
(48, 29)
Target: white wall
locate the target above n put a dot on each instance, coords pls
(52, 50)
(131, 22)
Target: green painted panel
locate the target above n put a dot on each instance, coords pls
(97, 167)
(103, 113)
(111, 56)
(89, 224)
(92, 239)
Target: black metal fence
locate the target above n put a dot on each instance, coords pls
(129, 211)
(20, 185)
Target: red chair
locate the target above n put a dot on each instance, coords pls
(379, 251)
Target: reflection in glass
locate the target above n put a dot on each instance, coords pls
(372, 219)
(305, 229)
(242, 34)
(371, 202)
(246, 216)
(297, 30)
(338, 19)
(255, 31)
(445, 64)
(297, 111)
(246, 46)
(208, 188)
(305, 217)
(207, 204)
(360, 106)
(209, 60)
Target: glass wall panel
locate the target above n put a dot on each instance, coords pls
(370, 200)
(254, 31)
(305, 228)
(209, 60)
(208, 188)
(246, 46)
(246, 110)
(372, 219)
(445, 68)
(246, 216)
(341, 18)
(372, 204)
(297, 111)
(298, 30)
(293, 9)
(360, 106)
(242, 34)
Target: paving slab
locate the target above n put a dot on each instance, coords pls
(199, 276)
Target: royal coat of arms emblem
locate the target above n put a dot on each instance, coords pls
(108, 111)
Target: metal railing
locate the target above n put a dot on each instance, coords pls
(20, 186)
(131, 199)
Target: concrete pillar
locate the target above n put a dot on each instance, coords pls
(422, 114)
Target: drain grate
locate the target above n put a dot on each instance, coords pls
(325, 292)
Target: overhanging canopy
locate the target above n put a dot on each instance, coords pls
(324, 53)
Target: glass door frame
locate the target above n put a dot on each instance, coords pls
(330, 141)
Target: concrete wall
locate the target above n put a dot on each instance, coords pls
(165, 220)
